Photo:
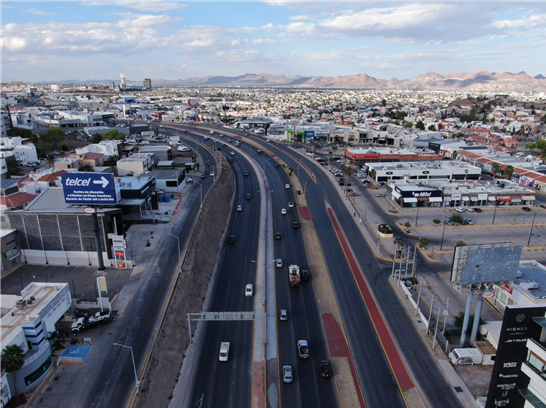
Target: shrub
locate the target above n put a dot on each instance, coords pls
(384, 229)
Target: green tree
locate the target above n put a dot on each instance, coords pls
(458, 218)
(53, 136)
(87, 167)
(50, 160)
(459, 319)
(460, 243)
(432, 128)
(13, 360)
(97, 137)
(436, 221)
(420, 125)
(113, 134)
(111, 161)
(408, 125)
(440, 126)
(25, 133)
(423, 242)
(399, 242)
(509, 172)
(496, 169)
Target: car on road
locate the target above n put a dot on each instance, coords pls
(249, 290)
(283, 315)
(526, 209)
(449, 222)
(232, 153)
(459, 209)
(478, 210)
(246, 173)
(295, 224)
(239, 208)
(212, 174)
(291, 204)
(287, 375)
(232, 239)
(231, 160)
(380, 195)
(278, 235)
(208, 163)
(283, 211)
(326, 369)
(203, 175)
(305, 274)
(287, 185)
(259, 151)
(279, 263)
(354, 194)
(183, 149)
(207, 172)
(468, 221)
(470, 209)
(248, 196)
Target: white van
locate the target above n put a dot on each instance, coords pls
(224, 351)
(466, 356)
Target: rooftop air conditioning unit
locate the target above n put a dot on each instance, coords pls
(20, 304)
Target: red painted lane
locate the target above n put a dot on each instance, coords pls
(399, 369)
(304, 212)
(338, 348)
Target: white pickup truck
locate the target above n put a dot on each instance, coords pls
(100, 317)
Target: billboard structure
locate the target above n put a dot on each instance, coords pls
(89, 188)
(485, 264)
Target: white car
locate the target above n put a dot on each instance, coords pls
(212, 174)
(459, 209)
(287, 185)
(279, 263)
(283, 211)
(291, 204)
(249, 290)
(239, 208)
(470, 209)
(183, 149)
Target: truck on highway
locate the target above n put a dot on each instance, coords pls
(224, 351)
(303, 349)
(294, 275)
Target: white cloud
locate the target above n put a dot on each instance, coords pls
(148, 6)
(38, 12)
(4, 6)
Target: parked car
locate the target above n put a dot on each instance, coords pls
(459, 209)
(478, 210)
(380, 195)
(470, 209)
(287, 375)
(449, 222)
(526, 209)
(468, 221)
(326, 369)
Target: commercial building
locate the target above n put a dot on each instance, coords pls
(29, 321)
(447, 170)
(361, 156)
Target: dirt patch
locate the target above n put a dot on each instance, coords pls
(189, 294)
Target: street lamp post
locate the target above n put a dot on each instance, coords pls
(531, 232)
(137, 383)
(417, 216)
(443, 232)
(178, 246)
(494, 213)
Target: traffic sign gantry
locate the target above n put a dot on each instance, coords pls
(89, 188)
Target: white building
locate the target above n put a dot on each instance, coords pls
(135, 164)
(22, 149)
(29, 323)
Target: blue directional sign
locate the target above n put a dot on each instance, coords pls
(89, 188)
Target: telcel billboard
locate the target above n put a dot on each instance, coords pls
(89, 188)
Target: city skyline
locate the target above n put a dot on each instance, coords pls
(65, 40)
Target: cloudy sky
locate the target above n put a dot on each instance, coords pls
(63, 40)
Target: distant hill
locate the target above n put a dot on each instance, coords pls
(476, 81)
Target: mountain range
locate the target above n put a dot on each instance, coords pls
(476, 81)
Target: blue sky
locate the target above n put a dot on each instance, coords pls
(63, 40)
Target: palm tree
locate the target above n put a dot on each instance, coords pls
(398, 241)
(508, 172)
(408, 226)
(12, 361)
(496, 169)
